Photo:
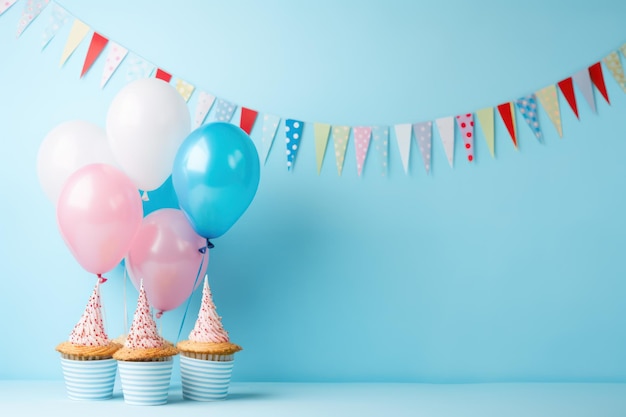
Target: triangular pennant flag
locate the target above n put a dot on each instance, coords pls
(321, 132)
(380, 135)
(247, 119)
(362, 136)
(595, 72)
(423, 136)
(549, 99)
(614, 65)
(485, 119)
(58, 18)
(445, 126)
(32, 9)
(98, 42)
(583, 80)
(466, 126)
(623, 49)
(184, 88)
(270, 126)
(340, 139)
(205, 102)
(163, 75)
(508, 117)
(77, 34)
(403, 137)
(115, 56)
(138, 68)
(223, 111)
(5, 5)
(567, 88)
(527, 106)
(293, 132)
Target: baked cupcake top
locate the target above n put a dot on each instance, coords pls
(143, 340)
(208, 334)
(88, 338)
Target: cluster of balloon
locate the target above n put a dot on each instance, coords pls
(94, 176)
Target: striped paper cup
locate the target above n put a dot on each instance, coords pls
(145, 383)
(205, 380)
(89, 380)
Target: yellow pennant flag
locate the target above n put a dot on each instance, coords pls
(550, 101)
(614, 65)
(340, 138)
(77, 34)
(485, 119)
(321, 131)
(184, 89)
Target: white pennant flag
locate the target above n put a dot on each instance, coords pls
(403, 137)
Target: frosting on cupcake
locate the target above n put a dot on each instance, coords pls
(208, 328)
(143, 332)
(89, 331)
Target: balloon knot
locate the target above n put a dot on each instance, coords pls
(159, 314)
(144, 196)
(209, 244)
(101, 279)
(202, 250)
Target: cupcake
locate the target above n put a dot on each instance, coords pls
(145, 360)
(86, 358)
(207, 358)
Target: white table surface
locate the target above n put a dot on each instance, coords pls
(47, 398)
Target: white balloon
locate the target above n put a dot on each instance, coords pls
(65, 149)
(146, 123)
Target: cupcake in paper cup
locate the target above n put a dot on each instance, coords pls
(145, 360)
(207, 358)
(87, 357)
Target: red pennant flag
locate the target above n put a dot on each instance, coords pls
(98, 42)
(506, 113)
(162, 75)
(567, 88)
(248, 117)
(595, 72)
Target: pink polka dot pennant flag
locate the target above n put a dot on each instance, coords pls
(293, 133)
(613, 63)
(115, 55)
(423, 136)
(380, 137)
(527, 106)
(77, 34)
(341, 135)
(445, 126)
(58, 18)
(466, 126)
(184, 88)
(223, 111)
(203, 105)
(321, 131)
(32, 9)
(583, 80)
(403, 138)
(268, 132)
(362, 137)
(549, 100)
(5, 5)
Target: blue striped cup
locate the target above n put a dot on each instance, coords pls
(89, 380)
(145, 383)
(204, 380)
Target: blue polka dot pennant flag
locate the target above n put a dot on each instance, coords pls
(223, 111)
(341, 134)
(58, 18)
(380, 136)
(527, 106)
(424, 138)
(293, 133)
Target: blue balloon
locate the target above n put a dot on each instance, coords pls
(215, 177)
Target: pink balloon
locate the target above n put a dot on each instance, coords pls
(99, 213)
(166, 254)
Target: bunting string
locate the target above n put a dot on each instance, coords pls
(209, 108)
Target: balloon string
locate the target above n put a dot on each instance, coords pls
(101, 279)
(182, 323)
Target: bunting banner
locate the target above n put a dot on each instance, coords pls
(210, 108)
(445, 126)
(321, 131)
(362, 136)
(380, 136)
(341, 134)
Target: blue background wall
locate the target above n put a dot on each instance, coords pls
(506, 269)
